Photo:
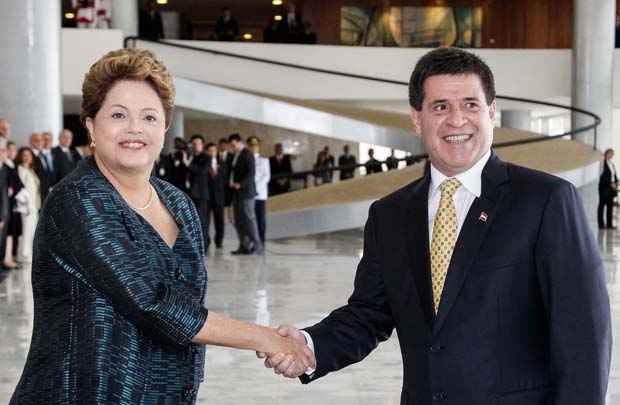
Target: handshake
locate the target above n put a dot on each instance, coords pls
(288, 353)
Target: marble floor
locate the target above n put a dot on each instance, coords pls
(298, 281)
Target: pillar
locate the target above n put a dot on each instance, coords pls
(31, 97)
(593, 45)
(517, 119)
(176, 130)
(125, 15)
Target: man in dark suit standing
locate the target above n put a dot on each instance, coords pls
(280, 164)
(41, 165)
(347, 159)
(487, 270)
(4, 197)
(198, 169)
(244, 192)
(218, 175)
(64, 157)
(607, 191)
(373, 165)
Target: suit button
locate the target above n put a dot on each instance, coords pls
(440, 396)
(436, 348)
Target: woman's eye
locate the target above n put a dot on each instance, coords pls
(118, 115)
(150, 118)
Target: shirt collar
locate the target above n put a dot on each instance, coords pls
(471, 179)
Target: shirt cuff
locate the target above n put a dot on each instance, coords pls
(310, 344)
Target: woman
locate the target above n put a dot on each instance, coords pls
(28, 203)
(14, 227)
(118, 274)
(607, 191)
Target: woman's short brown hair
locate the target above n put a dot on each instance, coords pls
(126, 64)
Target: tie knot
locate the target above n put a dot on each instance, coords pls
(449, 187)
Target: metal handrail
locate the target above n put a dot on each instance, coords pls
(542, 138)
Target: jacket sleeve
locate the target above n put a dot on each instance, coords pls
(249, 170)
(572, 277)
(88, 237)
(351, 332)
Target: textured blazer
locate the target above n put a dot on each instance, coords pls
(115, 308)
(524, 316)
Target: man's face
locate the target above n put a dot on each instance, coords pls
(36, 140)
(455, 123)
(223, 146)
(199, 146)
(235, 145)
(212, 151)
(279, 149)
(66, 137)
(5, 128)
(48, 140)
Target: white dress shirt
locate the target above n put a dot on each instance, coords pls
(262, 175)
(471, 188)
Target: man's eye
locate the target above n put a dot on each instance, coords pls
(440, 107)
(472, 106)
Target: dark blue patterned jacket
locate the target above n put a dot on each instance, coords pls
(115, 308)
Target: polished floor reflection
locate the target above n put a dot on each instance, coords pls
(298, 281)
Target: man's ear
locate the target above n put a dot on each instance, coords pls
(415, 119)
(492, 110)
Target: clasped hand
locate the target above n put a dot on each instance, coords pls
(289, 354)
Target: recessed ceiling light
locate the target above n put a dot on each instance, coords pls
(277, 2)
(69, 16)
(247, 36)
(277, 17)
(162, 2)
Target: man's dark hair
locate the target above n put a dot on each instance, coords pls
(449, 61)
(198, 136)
(223, 140)
(234, 137)
(211, 144)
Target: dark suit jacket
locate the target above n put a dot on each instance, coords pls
(46, 176)
(524, 317)
(605, 188)
(5, 174)
(177, 171)
(243, 173)
(373, 166)
(217, 182)
(279, 167)
(199, 177)
(115, 308)
(346, 160)
(64, 163)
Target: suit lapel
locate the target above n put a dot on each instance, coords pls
(416, 229)
(472, 235)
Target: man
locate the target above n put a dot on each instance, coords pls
(177, 168)
(218, 175)
(280, 165)
(391, 162)
(226, 26)
(373, 165)
(4, 198)
(198, 169)
(244, 192)
(5, 129)
(41, 165)
(64, 158)
(488, 271)
(261, 179)
(347, 159)
(46, 152)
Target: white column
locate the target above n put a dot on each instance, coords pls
(593, 45)
(517, 119)
(176, 130)
(125, 16)
(30, 74)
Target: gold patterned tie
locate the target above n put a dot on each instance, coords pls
(444, 237)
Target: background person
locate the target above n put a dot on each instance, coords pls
(28, 203)
(607, 191)
(261, 178)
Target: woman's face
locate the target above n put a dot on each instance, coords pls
(129, 128)
(27, 158)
